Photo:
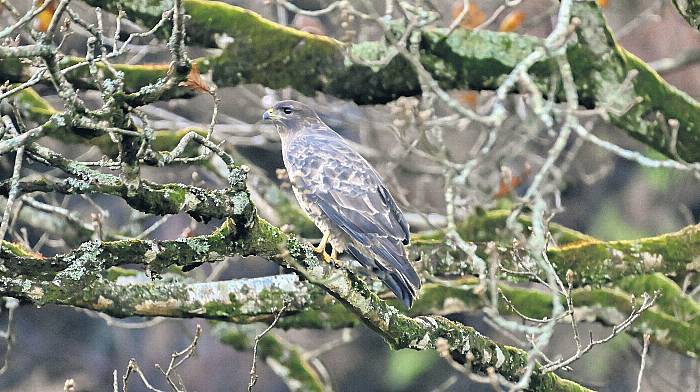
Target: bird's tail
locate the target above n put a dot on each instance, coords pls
(403, 281)
(401, 286)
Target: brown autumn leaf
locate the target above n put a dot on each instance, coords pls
(512, 21)
(194, 81)
(43, 20)
(508, 183)
(474, 17)
(468, 97)
(309, 24)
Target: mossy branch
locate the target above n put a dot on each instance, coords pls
(635, 97)
(592, 261)
(608, 77)
(201, 204)
(607, 306)
(399, 331)
(127, 293)
(674, 322)
(244, 237)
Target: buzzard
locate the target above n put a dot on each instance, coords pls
(345, 197)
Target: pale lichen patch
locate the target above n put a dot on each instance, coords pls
(150, 255)
(651, 262)
(487, 356)
(694, 265)
(466, 346)
(500, 358)
(423, 343)
(103, 303)
(157, 308)
(36, 293)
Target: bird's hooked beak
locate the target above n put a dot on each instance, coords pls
(269, 115)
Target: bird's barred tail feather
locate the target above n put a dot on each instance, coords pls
(403, 282)
(400, 285)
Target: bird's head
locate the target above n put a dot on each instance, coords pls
(290, 114)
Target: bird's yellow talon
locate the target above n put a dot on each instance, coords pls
(321, 248)
(332, 258)
(327, 258)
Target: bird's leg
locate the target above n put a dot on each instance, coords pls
(332, 257)
(321, 248)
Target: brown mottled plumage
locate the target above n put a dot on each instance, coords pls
(345, 197)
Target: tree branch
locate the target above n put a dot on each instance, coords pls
(593, 262)
(247, 237)
(607, 76)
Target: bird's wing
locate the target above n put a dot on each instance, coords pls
(350, 193)
(345, 187)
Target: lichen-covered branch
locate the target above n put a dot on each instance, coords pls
(597, 262)
(607, 76)
(244, 237)
(667, 322)
(399, 330)
(636, 98)
(593, 262)
(124, 293)
(127, 293)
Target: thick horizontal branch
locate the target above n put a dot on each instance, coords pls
(669, 322)
(597, 262)
(126, 293)
(608, 77)
(593, 262)
(91, 259)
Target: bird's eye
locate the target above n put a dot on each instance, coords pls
(287, 110)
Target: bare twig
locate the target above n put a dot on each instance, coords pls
(253, 372)
(645, 349)
(647, 302)
(178, 358)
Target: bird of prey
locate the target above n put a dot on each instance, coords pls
(345, 197)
